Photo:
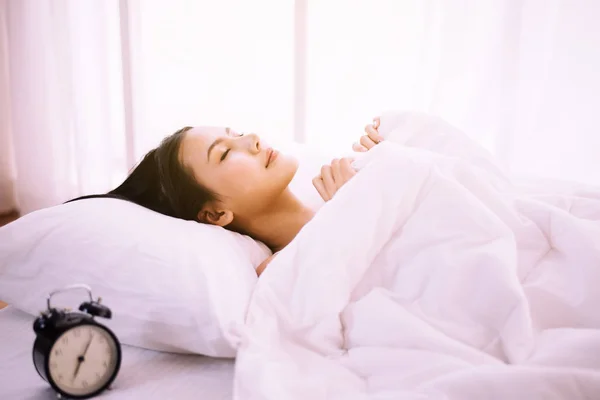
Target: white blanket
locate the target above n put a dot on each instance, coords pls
(431, 275)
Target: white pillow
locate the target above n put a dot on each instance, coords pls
(172, 285)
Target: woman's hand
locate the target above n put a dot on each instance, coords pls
(371, 138)
(333, 177)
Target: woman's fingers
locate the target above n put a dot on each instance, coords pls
(327, 176)
(373, 134)
(359, 147)
(367, 142)
(333, 177)
(372, 137)
(336, 171)
(346, 169)
(320, 186)
(342, 171)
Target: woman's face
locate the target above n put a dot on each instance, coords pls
(244, 172)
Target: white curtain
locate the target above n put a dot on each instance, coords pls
(7, 175)
(520, 76)
(88, 86)
(62, 130)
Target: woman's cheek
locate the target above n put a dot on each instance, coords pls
(241, 165)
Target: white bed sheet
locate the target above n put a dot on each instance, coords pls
(144, 374)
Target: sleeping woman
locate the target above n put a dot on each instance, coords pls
(219, 176)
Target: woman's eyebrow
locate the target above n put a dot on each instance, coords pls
(216, 142)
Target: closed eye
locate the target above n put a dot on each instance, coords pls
(224, 155)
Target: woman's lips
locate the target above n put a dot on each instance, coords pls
(271, 157)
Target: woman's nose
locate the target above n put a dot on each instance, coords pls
(253, 143)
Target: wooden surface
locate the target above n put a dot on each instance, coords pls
(5, 219)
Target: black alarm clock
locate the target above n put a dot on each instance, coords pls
(75, 354)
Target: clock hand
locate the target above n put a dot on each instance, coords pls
(79, 362)
(81, 358)
(88, 344)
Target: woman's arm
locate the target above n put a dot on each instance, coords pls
(262, 265)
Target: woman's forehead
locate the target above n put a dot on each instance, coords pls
(202, 137)
(206, 133)
(197, 141)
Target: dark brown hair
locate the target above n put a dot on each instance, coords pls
(161, 183)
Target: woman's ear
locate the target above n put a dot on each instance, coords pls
(215, 216)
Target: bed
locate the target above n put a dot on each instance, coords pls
(144, 374)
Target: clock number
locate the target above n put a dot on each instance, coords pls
(84, 384)
(58, 352)
(77, 332)
(108, 352)
(105, 364)
(60, 377)
(65, 340)
(98, 376)
(53, 365)
(101, 340)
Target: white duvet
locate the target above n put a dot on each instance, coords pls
(431, 275)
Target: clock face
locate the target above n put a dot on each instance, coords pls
(83, 360)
